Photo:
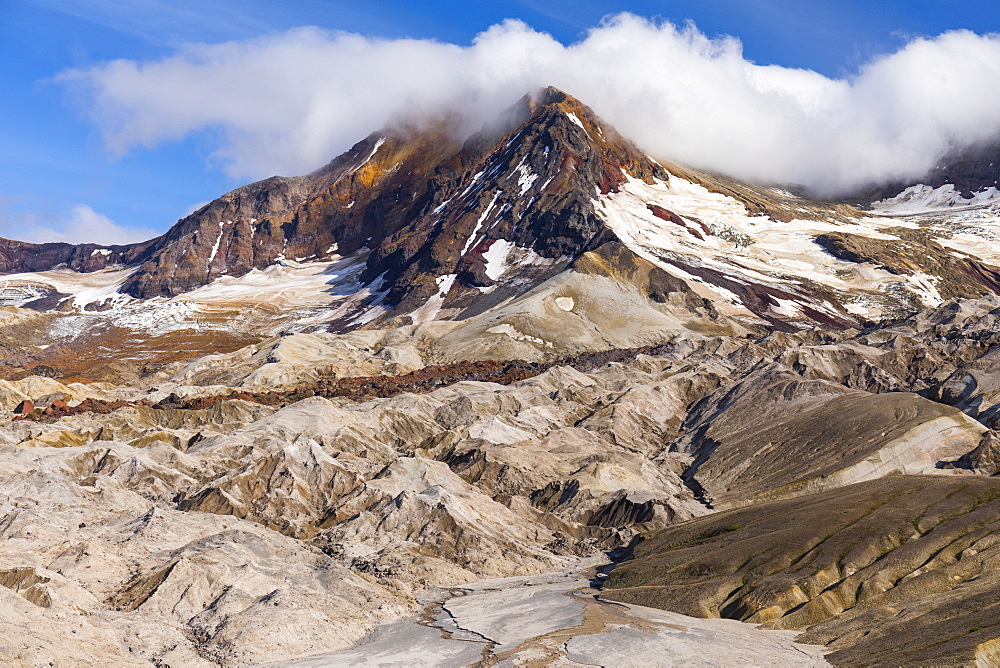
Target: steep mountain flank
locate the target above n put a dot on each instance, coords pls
(525, 190)
(896, 572)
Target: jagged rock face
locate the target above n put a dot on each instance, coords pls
(529, 185)
(250, 227)
(971, 171)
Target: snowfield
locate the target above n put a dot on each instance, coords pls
(757, 249)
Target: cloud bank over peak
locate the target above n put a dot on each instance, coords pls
(288, 103)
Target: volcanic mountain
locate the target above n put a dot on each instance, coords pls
(421, 202)
(320, 403)
(545, 233)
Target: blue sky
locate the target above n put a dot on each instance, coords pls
(59, 178)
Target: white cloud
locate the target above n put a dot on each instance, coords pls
(79, 225)
(289, 103)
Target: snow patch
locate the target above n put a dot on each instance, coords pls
(218, 240)
(565, 303)
(432, 306)
(525, 177)
(20, 293)
(371, 155)
(925, 289)
(573, 117)
(496, 258)
(440, 207)
(785, 307)
(83, 288)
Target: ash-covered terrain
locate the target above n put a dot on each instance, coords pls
(325, 405)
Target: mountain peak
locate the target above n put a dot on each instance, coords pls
(426, 208)
(551, 95)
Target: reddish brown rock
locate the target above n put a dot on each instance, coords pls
(25, 407)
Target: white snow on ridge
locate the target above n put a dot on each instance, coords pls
(218, 240)
(371, 155)
(440, 207)
(925, 199)
(482, 219)
(526, 177)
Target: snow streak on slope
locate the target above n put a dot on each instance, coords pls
(430, 308)
(496, 258)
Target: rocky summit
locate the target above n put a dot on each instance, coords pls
(525, 395)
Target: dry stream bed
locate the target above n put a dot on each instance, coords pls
(558, 619)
